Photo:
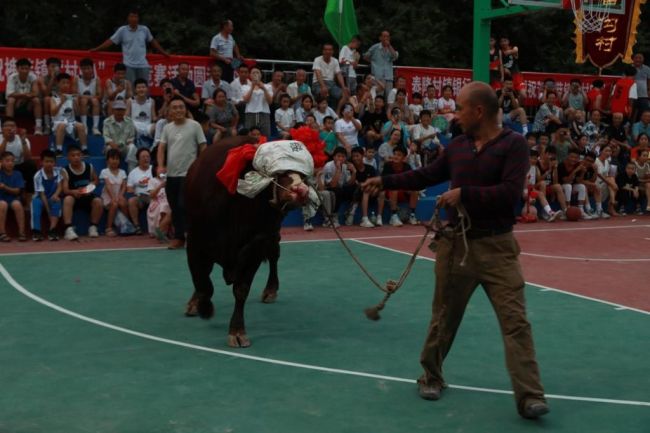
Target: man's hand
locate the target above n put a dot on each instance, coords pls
(450, 198)
(373, 186)
(55, 198)
(324, 91)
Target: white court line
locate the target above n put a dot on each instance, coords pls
(541, 286)
(143, 335)
(582, 259)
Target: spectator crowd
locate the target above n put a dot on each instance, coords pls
(587, 148)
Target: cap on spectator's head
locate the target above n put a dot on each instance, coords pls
(119, 105)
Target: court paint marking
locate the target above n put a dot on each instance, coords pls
(7, 276)
(541, 286)
(582, 259)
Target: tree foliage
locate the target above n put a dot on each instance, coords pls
(426, 33)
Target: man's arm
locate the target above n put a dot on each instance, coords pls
(107, 43)
(415, 180)
(157, 47)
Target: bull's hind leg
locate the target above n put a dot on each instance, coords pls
(200, 303)
(237, 333)
(270, 293)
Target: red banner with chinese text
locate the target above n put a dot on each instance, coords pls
(615, 39)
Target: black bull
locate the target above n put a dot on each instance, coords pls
(236, 232)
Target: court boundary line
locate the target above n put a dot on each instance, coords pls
(582, 259)
(18, 287)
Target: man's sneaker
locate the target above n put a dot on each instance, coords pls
(328, 223)
(349, 219)
(379, 222)
(70, 234)
(602, 214)
(592, 213)
(395, 221)
(59, 151)
(561, 215)
(534, 409)
(52, 235)
(639, 211)
(37, 237)
(92, 232)
(308, 227)
(413, 220)
(585, 216)
(96, 131)
(365, 222)
(38, 130)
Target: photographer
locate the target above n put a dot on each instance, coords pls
(395, 123)
(510, 109)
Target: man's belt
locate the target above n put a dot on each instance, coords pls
(483, 233)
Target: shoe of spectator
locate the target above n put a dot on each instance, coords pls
(647, 209)
(47, 130)
(37, 237)
(639, 211)
(413, 220)
(92, 232)
(561, 215)
(327, 223)
(70, 234)
(379, 222)
(349, 219)
(58, 152)
(395, 221)
(602, 214)
(552, 216)
(96, 131)
(585, 216)
(308, 227)
(52, 235)
(38, 130)
(365, 222)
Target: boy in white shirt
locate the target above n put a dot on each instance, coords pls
(285, 117)
(142, 110)
(89, 93)
(348, 60)
(416, 106)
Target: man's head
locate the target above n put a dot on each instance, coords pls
(507, 85)
(357, 156)
(328, 50)
(595, 116)
(48, 159)
(277, 77)
(87, 68)
(227, 26)
(533, 157)
(53, 65)
(244, 72)
(562, 133)
(167, 87)
(215, 72)
(380, 103)
(617, 119)
(119, 110)
(598, 84)
(476, 105)
(65, 82)
(645, 117)
(255, 132)
(384, 37)
(543, 139)
(531, 139)
(301, 76)
(119, 72)
(431, 91)
(575, 85)
(589, 160)
(399, 155)
(550, 154)
(551, 97)
(177, 109)
(339, 155)
(183, 70)
(425, 117)
(7, 159)
(133, 18)
(74, 155)
(23, 66)
(9, 128)
(141, 87)
(549, 84)
(447, 91)
(573, 157)
(630, 168)
(328, 123)
(400, 83)
(370, 153)
(504, 42)
(582, 140)
(637, 60)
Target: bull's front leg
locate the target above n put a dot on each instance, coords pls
(270, 293)
(241, 288)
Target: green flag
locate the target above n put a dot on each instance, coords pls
(341, 20)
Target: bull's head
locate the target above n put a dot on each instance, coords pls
(291, 191)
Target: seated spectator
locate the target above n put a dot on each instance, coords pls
(406, 115)
(114, 180)
(642, 143)
(430, 101)
(117, 88)
(347, 129)
(642, 167)
(576, 97)
(617, 132)
(594, 129)
(48, 86)
(256, 133)
(167, 95)
(340, 178)
(298, 89)
(446, 103)
(185, 88)
(549, 180)
(11, 186)
(589, 179)
(370, 158)
(364, 172)
(548, 87)
(224, 48)
(278, 87)
(562, 142)
(400, 84)
(606, 180)
(48, 188)
(628, 190)
(642, 126)
(596, 96)
(362, 100)
(258, 97)
(348, 61)
(63, 109)
(328, 81)
(77, 176)
(328, 135)
(137, 186)
(119, 134)
(375, 86)
(397, 164)
(236, 86)
(414, 159)
(285, 118)
(510, 110)
(416, 107)
(577, 124)
(394, 122)
(310, 121)
(373, 121)
(306, 107)
(89, 94)
(20, 147)
(159, 213)
(141, 109)
(549, 115)
(426, 136)
(386, 150)
(582, 145)
(569, 176)
(212, 84)
(22, 93)
(323, 110)
(223, 116)
(535, 182)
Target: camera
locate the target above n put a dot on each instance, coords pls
(168, 90)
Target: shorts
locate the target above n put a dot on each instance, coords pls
(402, 195)
(518, 81)
(85, 202)
(69, 128)
(549, 190)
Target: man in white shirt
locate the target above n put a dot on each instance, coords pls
(22, 91)
(425, 135)
(211, 85)
(298, 88)
(236, 92)
(224, 48)
(327, 74)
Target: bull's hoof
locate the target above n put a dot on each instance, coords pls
(269, 296)
(205, 308)
(192, 308)
(238, 341)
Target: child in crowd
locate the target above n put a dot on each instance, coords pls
(416, 106)
(89, 93)
(117, 88)
(370, 157)
(114, 179)
(397, 164)
(285, 117)
(628, 190)
(159, 214)
(642, 167)
(328, 135)
(11, 186)
(306, 107)
(49, 86)
(446, 103)
(142, 110)
(323, 110)
(63, 109)
(48, 188)
(534, 182)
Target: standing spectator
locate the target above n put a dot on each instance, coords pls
(510, 59)
(20, 147)
(628, 190)
(285, 117)
(11, 186)
(22, 93)
(185, 88)
(236, 89)
(49, 86)
(381, 57)
(446, 103)
(548, 116)
(137, 184)
(222, 115)
(496, 65)
(117, 88)
(510, 110)
(119, 134)
(212, 84)
(642, 79)
(141, 109)
(327, 74)
(596, 96)
(225, 50)
(624, 94)
(89, 94)
(298, 88)
(181, 142)
(258, 97)
(48, 186)
(642, 126)
(133, 38)
(349, 60)
(347, 129)
(576, 97)
(78, 175)
(114, 180)
(63, 108)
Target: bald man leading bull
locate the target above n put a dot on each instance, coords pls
(486, 168)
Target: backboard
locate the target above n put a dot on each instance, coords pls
(555, 4)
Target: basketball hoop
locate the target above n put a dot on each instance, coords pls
(590, 14)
